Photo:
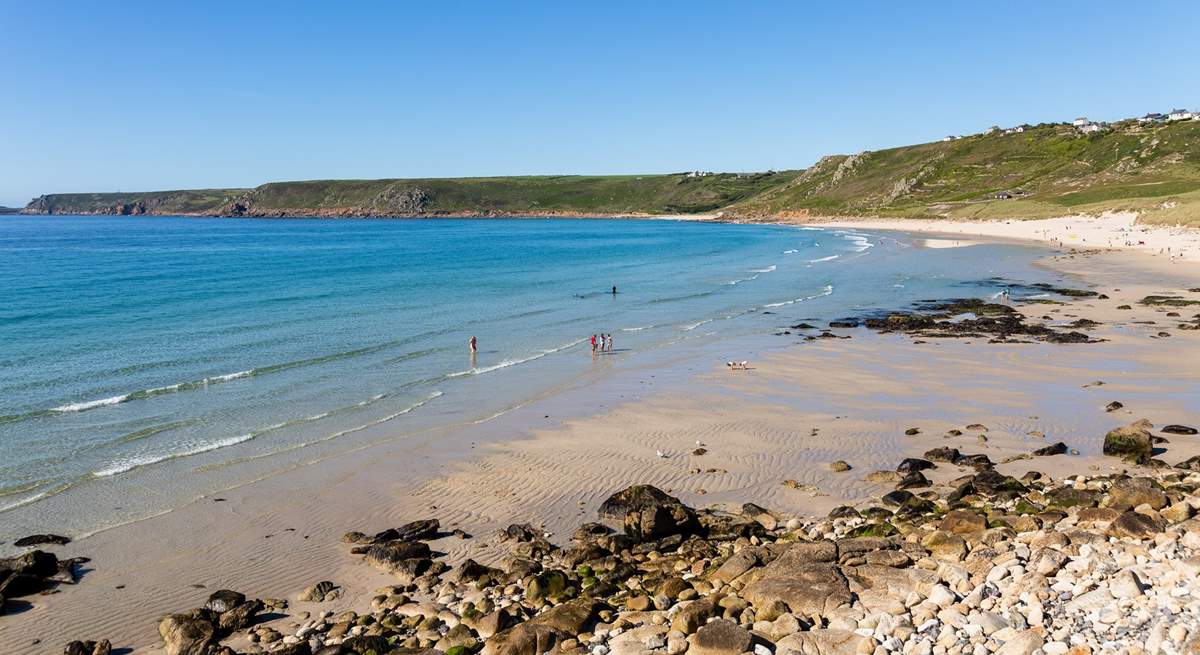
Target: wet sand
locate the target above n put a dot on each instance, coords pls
(801, 406)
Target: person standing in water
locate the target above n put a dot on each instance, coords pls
(610, 345)
(474, 345)
(593, 344)
(614, 289)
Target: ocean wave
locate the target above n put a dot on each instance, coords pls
(130, 463)
(212, 380)
(823, 259)
(693, 326)
(860, 241)
(825, 292)
(38, 496)
(638, 329)
(740, 280)
(690, 296)
(763, 270)
(138, 435)
(514, 362)
(791, 252)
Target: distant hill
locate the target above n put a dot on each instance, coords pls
(9, 210)
(1044, 170)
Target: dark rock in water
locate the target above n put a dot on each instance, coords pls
(803, 326)
(844, 323)
(1113, 406)
(224, 600)
(914, 480)
(1132, 442)
(1055, 449)
(1179, 429)
(897, 498)
(40, 539)
(943, 454)
(913, 464)
(102, 647)
(649, 513)
(189, 633)
(912, 432)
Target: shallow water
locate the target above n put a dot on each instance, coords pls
(144, 361)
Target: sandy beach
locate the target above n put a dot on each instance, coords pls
(768, 435)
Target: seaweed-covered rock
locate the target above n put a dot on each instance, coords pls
(1132, 443)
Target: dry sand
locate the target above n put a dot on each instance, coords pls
(1112, 230)
(799, 408)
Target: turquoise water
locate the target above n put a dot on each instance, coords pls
(144, 353)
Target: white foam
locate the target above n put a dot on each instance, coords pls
(823, 259)
(859, 240)
(791, 252)
(92, 404)
(122, 466)
(638, 329)
(740, 280)
(825, 292)
(693, 326)
(514, 362)
(763, 270)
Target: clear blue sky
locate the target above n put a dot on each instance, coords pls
(106, 96)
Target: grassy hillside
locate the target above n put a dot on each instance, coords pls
(1048, 170)
(567, 194)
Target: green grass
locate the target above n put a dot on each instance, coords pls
(1150, 169)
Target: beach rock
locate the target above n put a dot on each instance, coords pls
(189, 633)
(404, 559)
(1132, 442)
(825, 641)
(943, 454)
(224, 600)
(419, 530)
(240, 616)
(1114, 406)
(1067, 497)
(1190, 464)
(1134, 525)
(50, 539)
(1169, 429)
(883, 477)
(914, 480)
(1127, 493)
(545, 631)
(913, 465)
(720, 637)
(649, 513)
(945, 545)
(1055, 449)
(803, 579)
(840, 466)
(102, 647)
(963, 522)
(316, 593)
(35, 563)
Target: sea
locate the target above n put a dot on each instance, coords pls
(147, 361)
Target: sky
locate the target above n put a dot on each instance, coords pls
(137, 96)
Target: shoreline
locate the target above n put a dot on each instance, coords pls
(699, 403)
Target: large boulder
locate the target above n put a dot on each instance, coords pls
(102, 647)
(804, 579)
(545, 631)
(224, 600)
(825, 641)
(405, 559)
(1128, 493)
(649, 513)
(720, 637)
(1133, 443)
(189, 633)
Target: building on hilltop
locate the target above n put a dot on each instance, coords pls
(1091, 127)
(1152, 118)
(1080, 122)
(1180, 115)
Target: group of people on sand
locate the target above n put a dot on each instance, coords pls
(603, 344)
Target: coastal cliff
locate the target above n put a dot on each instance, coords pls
(1036, 172)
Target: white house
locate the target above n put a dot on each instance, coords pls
(1180, 115)
(1080, 122)
(1152, 118)
(1091, 127)
(993, 129)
